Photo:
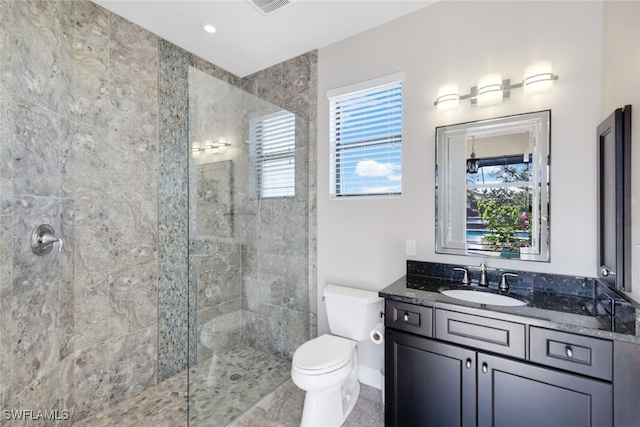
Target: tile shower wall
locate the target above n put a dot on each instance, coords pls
(79, 151)
(266, 306)
(282, 256)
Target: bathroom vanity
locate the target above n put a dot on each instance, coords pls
(570, 356)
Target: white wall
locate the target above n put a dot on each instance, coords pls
(361, 242)
(621, 86)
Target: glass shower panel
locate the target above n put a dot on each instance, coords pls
(249, 255)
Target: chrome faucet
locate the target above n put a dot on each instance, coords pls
(465, 277)
(483, 275)
(504, 285)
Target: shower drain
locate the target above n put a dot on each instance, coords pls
(235, 377)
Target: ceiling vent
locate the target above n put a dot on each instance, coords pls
(267, 7)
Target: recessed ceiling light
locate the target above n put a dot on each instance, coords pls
(209, 28)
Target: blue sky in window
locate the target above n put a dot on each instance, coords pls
(372, 165)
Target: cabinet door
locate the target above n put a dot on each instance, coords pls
(428, 383)
(512, 393)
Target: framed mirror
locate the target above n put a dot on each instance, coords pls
(492, 187)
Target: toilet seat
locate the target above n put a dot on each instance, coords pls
(324, 354)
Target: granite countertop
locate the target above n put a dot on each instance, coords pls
(585, 315)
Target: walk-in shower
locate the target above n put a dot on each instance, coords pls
(248, 247)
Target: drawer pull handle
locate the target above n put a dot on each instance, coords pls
(569, 352)
(468, 364)
(406, 317)
(485, 368)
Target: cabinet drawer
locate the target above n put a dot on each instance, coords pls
(408, 317)
(480, 332)
(576, 353)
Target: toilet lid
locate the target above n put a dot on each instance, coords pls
(323, 353)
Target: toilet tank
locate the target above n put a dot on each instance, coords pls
(352, 313)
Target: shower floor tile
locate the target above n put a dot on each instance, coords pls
(219, 390)
(218, 397)
(230, 383)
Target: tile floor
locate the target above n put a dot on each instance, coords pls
(218, 397)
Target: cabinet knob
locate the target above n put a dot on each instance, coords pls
(406, 317)
(569, 352)
(485, 368)
(468, 364)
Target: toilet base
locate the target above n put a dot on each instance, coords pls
(331, 407)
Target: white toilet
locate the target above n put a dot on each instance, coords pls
(327, 367)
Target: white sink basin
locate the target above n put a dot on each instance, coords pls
(482, 297)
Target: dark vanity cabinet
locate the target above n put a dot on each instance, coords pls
(430, 383)
(445, 368)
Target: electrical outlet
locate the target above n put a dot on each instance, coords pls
(410, 247)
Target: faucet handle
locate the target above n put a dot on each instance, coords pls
(465, 278)
(504, 286)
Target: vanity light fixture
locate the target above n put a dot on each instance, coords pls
(489, 90)
(216, 146)
(492, 89)
(213, 146)
(447, 98)
(538, 78)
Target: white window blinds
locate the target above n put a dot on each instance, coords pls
(273, 139)
(366, 141)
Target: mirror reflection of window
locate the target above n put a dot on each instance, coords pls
(492, 187)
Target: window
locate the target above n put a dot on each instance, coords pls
(273, 140)
(366, 138)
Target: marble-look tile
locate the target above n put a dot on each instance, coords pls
(67, 234)
(132, 364)
(36, 136)
(281, 408)
(6, 249)
(132, 46)
(295, 283)
(133, 137)
(217, 280)
(66, 318)
(296, 82)
(89, 93)
(35, 55)
(295, 331)
(368, 411)
(295, 236)
(91, 380)
(35, 335)
(133, 234)
(47, 393)
(212, 70)
(6, 149)
(31, 271)
(66, 63)
(6, 376)
(91, 309)
(263, 330)
(91, 249)
(133, 297)
(85, 161)
(5, 32)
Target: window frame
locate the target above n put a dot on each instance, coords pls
(260, 159)
(338, 149)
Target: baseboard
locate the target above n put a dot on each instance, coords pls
(369, 376)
